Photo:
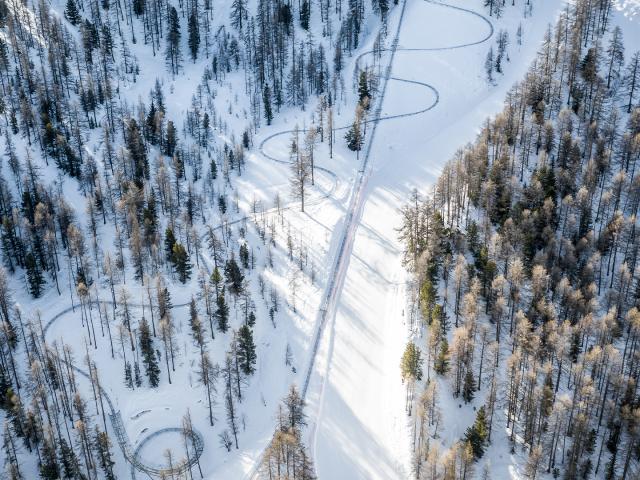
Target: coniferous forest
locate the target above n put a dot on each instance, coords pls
(184, 189)
(525, 263)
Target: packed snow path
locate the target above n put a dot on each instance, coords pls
(360, 430)
(133, 456)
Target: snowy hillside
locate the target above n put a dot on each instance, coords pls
(201, 207)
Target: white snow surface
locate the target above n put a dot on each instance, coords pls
(360, 429)
(358, 426)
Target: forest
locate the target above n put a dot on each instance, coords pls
(131, 213)
(525, 271)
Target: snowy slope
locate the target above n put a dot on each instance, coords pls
(361, 430)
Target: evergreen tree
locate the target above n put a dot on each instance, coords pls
(128, 375)
(49, 467)
(72, 13)
(266, 100)
(477, 435)
(171, 140)
(34, 276)
(354, 136)
(105, 457)
(138, 7)
(239, 13)
(411, 364)
(364, 95)
(69, 461)
(173, 52)
(169, 242)
(244, 255)
(149, 359)
(305, 14)
(246, 350)
(233, 276)
(137, 153)
(213, 168)
(469, 386)
(181, 262)
(441, 364)
(381, 7)
(194, 36)
(222, 204)
(137, 377)
(222, 312)
(488, 66)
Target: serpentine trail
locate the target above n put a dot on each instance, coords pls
(353, 214)
(337, 273)
(132, 456)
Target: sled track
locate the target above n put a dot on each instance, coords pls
(338, 269)
(357, 200)
(115, 417)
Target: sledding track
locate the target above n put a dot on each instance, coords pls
(353, 214)
(338, 270)
(131, 455)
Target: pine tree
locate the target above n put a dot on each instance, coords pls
(354, 137)
(233, 276)
(411, 364)
(34, 276)
(364, 95)
(441, 364)
(244, 255)
(222, 312)
(137, 153)
(173, 52)
(305, 14)
(49, 468)
(181, 262)
(171, 141)
(72, 13)
(169, 242)
(632, 80)
(137, 377)
(469, 386)
(194, 36)
(488, 66)
(381, 7)
(128, 375)
(239, 13)
(149, 359)
(246, 350)
(105, 457)
(266, 100)
(69, 461)
(477, 434)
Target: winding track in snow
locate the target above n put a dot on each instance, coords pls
(338, 271)
(132, 456)
(356, 204)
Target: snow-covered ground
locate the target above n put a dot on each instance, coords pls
(629, 8)
(360, 429)
(358, 426)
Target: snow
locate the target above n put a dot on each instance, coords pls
(629, 8)
(358, 426)
(627, 18)
(360, 429)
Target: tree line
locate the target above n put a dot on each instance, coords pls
(524, 257)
